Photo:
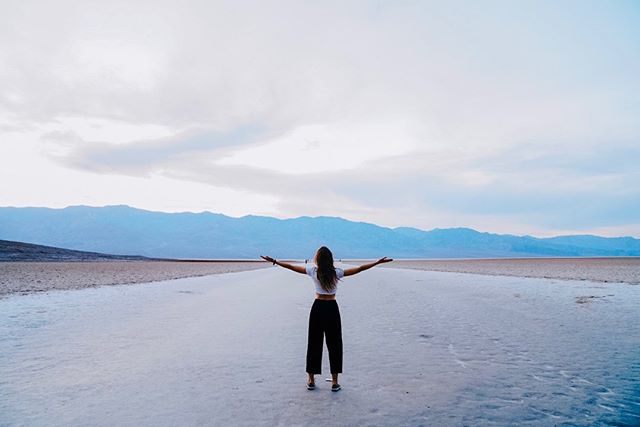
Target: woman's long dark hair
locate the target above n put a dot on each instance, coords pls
(326, 271)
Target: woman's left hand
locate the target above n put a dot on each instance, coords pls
(383, 260)
(268, 258)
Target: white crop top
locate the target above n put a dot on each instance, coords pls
(312, 271)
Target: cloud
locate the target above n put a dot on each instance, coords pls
(428, 114)
(145, 156)
(561, 195)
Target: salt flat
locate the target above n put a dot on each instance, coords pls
(421, 348)
(34, 276)
(606, 270)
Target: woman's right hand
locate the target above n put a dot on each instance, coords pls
(383, 260)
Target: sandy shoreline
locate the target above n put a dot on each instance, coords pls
(31, 277)
(606, 270)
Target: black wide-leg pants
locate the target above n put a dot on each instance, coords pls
(324, 320)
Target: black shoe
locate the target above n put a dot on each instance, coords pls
(311, 386)
(335, 387)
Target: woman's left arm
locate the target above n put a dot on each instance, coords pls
(292, 267)
(363, 267)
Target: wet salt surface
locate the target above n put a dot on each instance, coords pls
(421, 348)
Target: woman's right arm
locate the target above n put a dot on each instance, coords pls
(292, 267)
(363, 267)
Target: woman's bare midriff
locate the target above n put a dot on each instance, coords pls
(325, 296)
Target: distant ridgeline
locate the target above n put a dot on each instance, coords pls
(125, 230)
(18, 251)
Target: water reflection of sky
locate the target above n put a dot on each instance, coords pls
(420, 348)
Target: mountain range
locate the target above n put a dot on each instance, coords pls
(130, 231)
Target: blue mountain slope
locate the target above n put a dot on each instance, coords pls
(126, 230)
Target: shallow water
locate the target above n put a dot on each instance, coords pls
(421, 348)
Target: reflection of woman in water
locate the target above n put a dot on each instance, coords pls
(324, 318)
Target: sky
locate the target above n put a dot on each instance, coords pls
(509, 117)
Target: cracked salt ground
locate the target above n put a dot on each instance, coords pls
(421, 348)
